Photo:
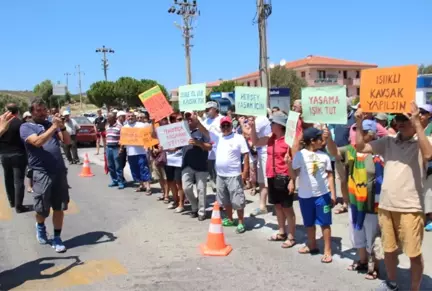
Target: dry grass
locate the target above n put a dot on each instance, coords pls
(76, 109)
(20, 94)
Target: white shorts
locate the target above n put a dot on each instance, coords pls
(365, 237)
(261, 167)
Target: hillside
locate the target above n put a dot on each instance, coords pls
(21, 94)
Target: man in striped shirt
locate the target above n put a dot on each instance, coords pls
(115, 164)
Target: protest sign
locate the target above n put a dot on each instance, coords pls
(388, 89)
(326, 104)
(251, 101)
(156, 103)
(192, 97)
(131, 136)
(173, 135)
(291, 127)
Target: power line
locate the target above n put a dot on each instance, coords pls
(79, 73)
(189, 12)
(104, 50)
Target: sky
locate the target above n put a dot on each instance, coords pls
(45, 39)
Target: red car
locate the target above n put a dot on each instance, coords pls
(87, 133)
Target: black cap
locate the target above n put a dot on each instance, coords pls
(311, 133)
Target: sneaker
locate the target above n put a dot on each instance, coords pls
(179, 210)
(428, 226)
(58, 245)
(388, 286)
(201, 218)
(41, 234)
(113, 184)
(121, 186)
(258, 211)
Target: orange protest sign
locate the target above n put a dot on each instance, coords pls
(156, 103)
(388, 90)
(137, 137)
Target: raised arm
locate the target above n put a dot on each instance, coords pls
(361, 146)
(423, 141)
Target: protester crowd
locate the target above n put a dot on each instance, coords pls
(378, 161)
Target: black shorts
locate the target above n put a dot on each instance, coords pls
(50, 191)
(281, 197)
(173, 174)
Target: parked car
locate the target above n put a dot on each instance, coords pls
(90, 116)
(87, 133)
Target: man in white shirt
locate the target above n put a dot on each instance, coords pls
(71, 150)
(259, 132)
(137, 158)
(230, 147)
(212, 124)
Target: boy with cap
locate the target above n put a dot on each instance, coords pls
(316, 190)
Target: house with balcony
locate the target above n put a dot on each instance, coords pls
(316, 71)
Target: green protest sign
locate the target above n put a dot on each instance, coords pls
(324, 105)
(192, 97)
(291, 127)
(251, 101)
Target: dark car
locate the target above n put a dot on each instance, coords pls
(87, 133)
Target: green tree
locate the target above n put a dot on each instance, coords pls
(424, 69)
(127, 89)
(102, 92)
(283, 77)
(226, 86)
(44, 90)
(22, 103)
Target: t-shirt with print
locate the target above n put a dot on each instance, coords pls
(404, 173)
(280, 149)
(136, 150)
(174, 159)
(213, 127)
(314, 168)
(229, 150)
(47, 158)
(100, 123)
(263, 129)
(351, 158)
(193, 156)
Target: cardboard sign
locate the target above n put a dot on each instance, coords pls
(251, 101)
(192, 97)
(291, 127)
(324, 104)
(388, 89)
(156, 103)
(173, 135)
(130, 136)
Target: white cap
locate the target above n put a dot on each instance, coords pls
(121, 113)
(114, 111)
(66, 113)
(27, 114)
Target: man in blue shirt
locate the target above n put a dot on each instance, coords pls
(50, 187)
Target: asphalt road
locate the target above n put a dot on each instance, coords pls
(121, 240)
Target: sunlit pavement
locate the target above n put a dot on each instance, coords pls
(122, 240)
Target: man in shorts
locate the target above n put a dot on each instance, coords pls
(50, 187)
(100, 128)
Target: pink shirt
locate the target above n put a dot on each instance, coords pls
(381, 132)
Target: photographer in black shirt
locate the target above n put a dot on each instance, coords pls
(13, 157)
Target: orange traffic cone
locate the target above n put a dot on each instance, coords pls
(215, 245)
(86, 171)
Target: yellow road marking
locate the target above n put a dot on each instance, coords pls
(88, 273)
(5, 210)
(72, 208)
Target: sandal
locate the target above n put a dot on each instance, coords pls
(139, 189)
(372, 275)
(289, 243)
(306, 250)
(148, 192)
(341, 210)
(278, 237)
(326, 259)
(160, 198)
(166, 200)
(228, 223)
(358, 266)
(240, 228)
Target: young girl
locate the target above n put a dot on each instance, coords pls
(316, 190)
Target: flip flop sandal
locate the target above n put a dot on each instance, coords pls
(372, 275)
(278, 237)
(341, 210)
(161, 198)
(139, 189)
(306, 250)
(166, 200)
(326, 259)
(149, 193)
(358, 266)
(240, 228)
(289, 243)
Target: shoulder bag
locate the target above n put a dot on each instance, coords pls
(280, 182)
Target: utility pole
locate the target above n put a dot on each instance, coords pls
(67, 80)
(189, 12)
(264, 10)
(104, 50)
(79, 73)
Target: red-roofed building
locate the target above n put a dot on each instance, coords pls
(317, 71)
